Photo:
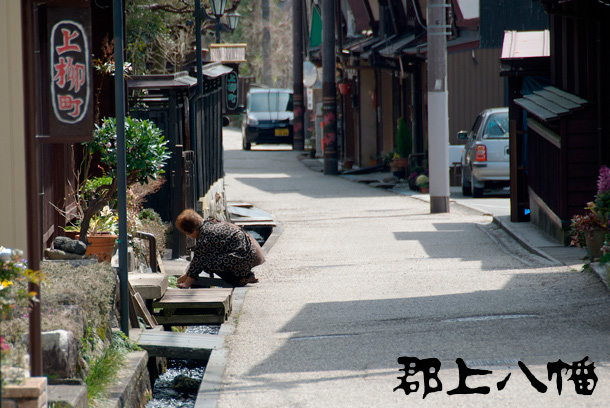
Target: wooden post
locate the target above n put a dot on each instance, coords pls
(298, 138)
(329, 89)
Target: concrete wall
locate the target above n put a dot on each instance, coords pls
(474, 84)
(12, 151)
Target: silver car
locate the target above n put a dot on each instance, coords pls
(485, 161)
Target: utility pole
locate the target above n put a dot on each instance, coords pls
(438, 111)
(329, 89)
(298, 138)
(267, 74)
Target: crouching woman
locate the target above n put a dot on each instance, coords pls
(222, 248)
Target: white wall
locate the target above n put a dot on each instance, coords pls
(12, 152)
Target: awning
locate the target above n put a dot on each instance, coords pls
(215, 69)
(551, 103)
(397, 45)
(177, 80)
(361, 45)
(467, 40)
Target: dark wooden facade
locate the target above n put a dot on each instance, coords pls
(59, 158)
(564, 151)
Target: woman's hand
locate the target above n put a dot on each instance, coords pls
(186, 283)
(182, 278)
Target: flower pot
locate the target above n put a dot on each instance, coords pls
(401, 162)
(595, 240)
(348, 164)
(102, 246)
(424, 190)
(344, 88)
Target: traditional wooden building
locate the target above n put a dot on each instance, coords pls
(383, 47)
(564, 136)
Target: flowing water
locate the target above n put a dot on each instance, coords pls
(178, 386)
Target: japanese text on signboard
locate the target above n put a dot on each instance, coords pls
(70, 78)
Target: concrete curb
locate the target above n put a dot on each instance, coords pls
(523, 242)
(211, 384)
(603, 272)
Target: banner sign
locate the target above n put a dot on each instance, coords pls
(71, 110)
(231, 90)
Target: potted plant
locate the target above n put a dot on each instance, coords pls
(404, 143)
(102, 234)
(590, 230)
(422, 182)
(146, 154)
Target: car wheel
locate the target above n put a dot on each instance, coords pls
(465, 186)
(477, 192)
(246, 145)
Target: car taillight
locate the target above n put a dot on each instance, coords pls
(480, 154)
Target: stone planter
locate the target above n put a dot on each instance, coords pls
(595, 240)
(31, 393)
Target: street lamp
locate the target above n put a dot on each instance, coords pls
(233, 19)
(218, 8)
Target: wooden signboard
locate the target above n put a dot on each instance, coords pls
(232, 89)
(70, 87)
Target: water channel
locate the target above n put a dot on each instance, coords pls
(178, 386)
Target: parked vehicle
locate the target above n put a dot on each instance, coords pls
(485, 160)
(268, 117)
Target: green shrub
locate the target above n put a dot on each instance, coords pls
(404, 140)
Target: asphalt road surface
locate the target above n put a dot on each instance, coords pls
(361, 277)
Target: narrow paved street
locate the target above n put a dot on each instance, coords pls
(360, 277)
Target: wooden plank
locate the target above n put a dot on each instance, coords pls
(535, 110)
(179, 345)
(160, 264)
(239, 204)
(545, 132)
(133, 317)
(143, 311)
(186, 320)
(569, 96)
(566, 103)
(547, 104)
(195, 298)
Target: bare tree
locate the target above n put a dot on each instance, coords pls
(280, 28)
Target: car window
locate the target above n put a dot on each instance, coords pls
(270, 102)
(475, 127)
(496, 126)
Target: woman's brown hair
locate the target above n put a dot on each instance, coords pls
(189, 221)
